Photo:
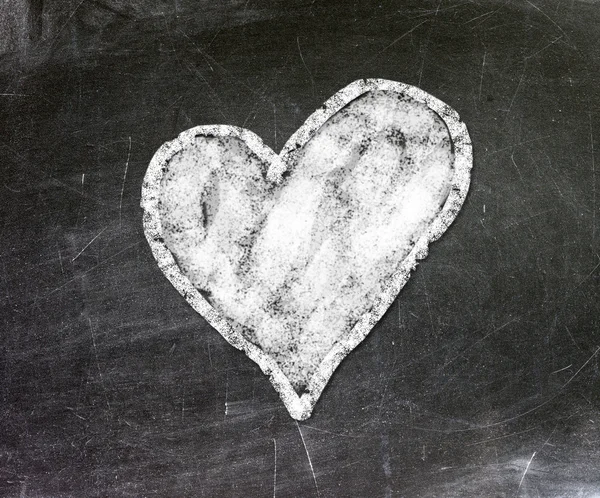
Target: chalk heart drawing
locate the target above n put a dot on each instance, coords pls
(294, 257)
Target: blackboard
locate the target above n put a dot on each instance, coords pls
(483, 377)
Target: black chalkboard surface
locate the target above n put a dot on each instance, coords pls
(483, 377)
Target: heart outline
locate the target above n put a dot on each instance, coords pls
(301, 407)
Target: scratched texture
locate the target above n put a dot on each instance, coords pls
(483, 378)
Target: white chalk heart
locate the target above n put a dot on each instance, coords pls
(294, 257)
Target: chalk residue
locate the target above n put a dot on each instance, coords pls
(293, 264)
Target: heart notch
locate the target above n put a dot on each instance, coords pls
(294, 257)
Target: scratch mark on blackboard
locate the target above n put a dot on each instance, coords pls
(88, 244)
(62, 270)
(560, 192)
(98, 361)
(60, 287)
(6, 286)
(593, 181)
(224, 70)
(275, 468)
(23, 493)
(396, 41)
(502, 437)
(523, 476)
(557, 7)
(552, 433)
(386, 463)
(275, 125)
(421, 70)
(481, 77)
(544, 48)
(561, 369)
(588, 275)
(571, 336)
(512, 224)
(252, 112)
(219, 30)
(198, 49)
(210, 357)
(226, 393)
(428, 12)
(485, 16)
(531, 410)
(312, 81)
(425, 45)
(495, 151)
(309, 460)
(512, 101)
(340, 434)
(213, 95)
(72, 410)
(428, 302)
(66, 22)
(12, 189)
(107, 5)
(551, 20)
(123, 184)
(497, 329)
(385, 390)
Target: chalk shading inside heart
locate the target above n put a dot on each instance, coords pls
(293, 261)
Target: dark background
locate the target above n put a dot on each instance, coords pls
(483, 377)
